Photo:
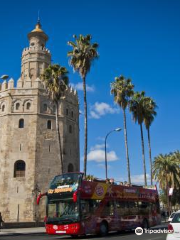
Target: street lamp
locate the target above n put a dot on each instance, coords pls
(4, 77)
(115, 130)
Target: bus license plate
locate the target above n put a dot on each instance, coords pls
(60, 231)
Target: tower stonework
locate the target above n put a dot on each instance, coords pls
(29, 152)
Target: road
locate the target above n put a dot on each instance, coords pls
(113, 236)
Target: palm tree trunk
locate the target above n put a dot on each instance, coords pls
(59, 139)
(167, 192)
(143, 155)
(85, 126)
(126, 146)
(150, 159)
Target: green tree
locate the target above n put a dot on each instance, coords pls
(81, 58)
(122, 89)
(150, 114)
(166, 170)
(162, 197)
(56, 82)
(137, 108)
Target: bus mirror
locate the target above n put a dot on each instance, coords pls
(38, 199)
(40, 196)
(75, 196)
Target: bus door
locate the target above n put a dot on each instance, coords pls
(109, 214)
(89, 215)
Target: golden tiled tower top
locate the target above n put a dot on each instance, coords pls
(38, 31)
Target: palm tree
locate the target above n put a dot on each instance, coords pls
(166, 170)
(56, 81)
(150, 114)
(137, 107)
(123, 89)
(81, 58)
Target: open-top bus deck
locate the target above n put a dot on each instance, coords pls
(76, 206)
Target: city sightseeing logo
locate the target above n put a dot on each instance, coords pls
(140, 231)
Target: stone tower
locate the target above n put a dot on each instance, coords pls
(29, 155)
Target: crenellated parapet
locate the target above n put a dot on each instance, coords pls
(23, 99)
(21, 84)
(35, 49)
(72, 95)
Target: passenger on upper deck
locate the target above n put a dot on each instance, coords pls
(112, 181)
(107, 181)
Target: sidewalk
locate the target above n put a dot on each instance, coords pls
(16, 231)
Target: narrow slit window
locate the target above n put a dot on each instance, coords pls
(49, 125)
(28, 106)
(3, 108)
(70, 129)
(21, 123)
(17, 106)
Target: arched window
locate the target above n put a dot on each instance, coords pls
(70, 167)
(21, 123)
(19, 168)
(17, 106)
(67, 111)
(72, 114)
(28, 106)
(3, 108)
(45, 107)
(49, 124)
(70, 129)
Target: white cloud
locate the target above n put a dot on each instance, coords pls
(139, 179)
(98, 146)
(94, 115)
(100, 109)
(79, 86)
(98, 155)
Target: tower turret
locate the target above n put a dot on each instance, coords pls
(36, 57)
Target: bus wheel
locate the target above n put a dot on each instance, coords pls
(145, 224)
(103, 230)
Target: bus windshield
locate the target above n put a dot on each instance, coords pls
(62, 211)
(61, 207)
(68, 179)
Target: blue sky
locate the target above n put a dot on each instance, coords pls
(139, 39)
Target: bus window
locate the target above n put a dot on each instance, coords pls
(85, 208)
(89, 206)
(144, 207)
(108, 209)
(133, 208)
(122, 208)
(52, 210)
(93, 205)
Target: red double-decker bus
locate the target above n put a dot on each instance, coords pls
(76, 206)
